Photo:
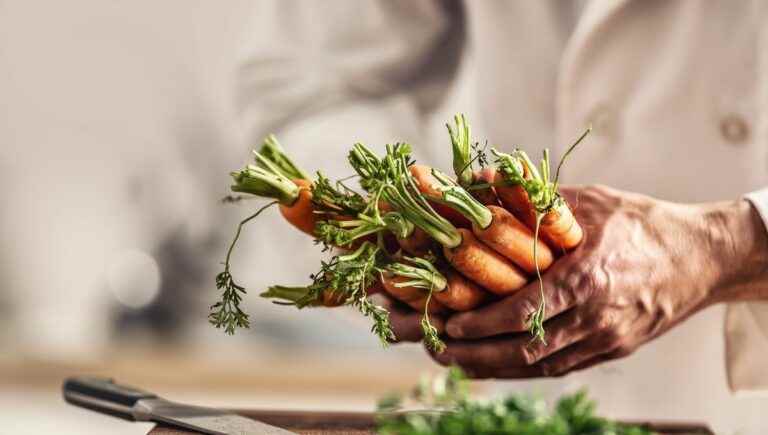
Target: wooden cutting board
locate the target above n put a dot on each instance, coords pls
(360, 423)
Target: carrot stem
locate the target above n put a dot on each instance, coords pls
(461, 143)
(262, 182)
(272, 152)
(456, 197)
(422, 272)
(538, 316)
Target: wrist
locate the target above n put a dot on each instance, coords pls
(738, 241)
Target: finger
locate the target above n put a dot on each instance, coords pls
(580, 355)
(406, 323)
(576, 357)
(610, 356)
(565, 285)
(517, 350)
(562, 332)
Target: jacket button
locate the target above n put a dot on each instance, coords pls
(734, 129)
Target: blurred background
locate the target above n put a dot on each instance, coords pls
(118, 130)
(119, 124)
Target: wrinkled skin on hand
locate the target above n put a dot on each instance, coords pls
(644, 266)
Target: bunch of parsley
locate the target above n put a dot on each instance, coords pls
(452, 412)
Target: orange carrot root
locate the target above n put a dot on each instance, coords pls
(561, 228)
(332, 298)
(461, 294)
(301, 213)
(515, 199)
(512, 239)
(485, 266)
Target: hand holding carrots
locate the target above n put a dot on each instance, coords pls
(483, 236)
(644, 266)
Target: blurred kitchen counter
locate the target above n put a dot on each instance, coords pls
(351, 372)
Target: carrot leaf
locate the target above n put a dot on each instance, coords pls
(227, 313)
(350, 276)
(336, 197)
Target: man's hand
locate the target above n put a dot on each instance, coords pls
(644, 266)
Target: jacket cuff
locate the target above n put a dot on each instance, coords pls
(759, 200)
(746, 331)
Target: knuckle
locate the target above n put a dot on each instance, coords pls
(582, 283)
(605, 321)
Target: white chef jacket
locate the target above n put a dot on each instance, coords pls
(676, 91)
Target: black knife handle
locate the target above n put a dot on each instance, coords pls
(103, 395)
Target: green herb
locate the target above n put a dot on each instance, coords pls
(449, 410)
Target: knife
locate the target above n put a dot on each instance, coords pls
(104, 396)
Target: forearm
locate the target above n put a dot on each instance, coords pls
(738, 239)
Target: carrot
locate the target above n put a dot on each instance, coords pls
(495, 226)
(392, 176)
(529, 192)
(275, 176)
(512, 239)
(300, 213)
(484, 266)
(460, 294)
(515, 199)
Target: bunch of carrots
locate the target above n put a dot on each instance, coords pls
(435, 242)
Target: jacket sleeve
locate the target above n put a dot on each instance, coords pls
(322, 75)
(746, 331)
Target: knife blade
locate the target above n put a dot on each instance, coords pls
(105, 396)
